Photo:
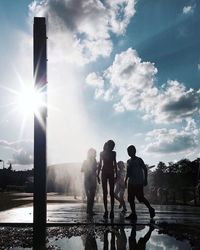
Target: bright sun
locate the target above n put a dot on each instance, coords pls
(29, 100)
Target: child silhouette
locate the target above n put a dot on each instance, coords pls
(137, 179)
(89, 169)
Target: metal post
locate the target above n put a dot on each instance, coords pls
(40, 76)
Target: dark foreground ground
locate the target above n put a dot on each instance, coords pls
(68, 227)
(105, 237)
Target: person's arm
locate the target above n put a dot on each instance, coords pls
(145, 172)
(127, 174)
(115, 165)
(99, 168)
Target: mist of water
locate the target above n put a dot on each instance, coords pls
(65, 178)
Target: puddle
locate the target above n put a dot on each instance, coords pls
(141, 237)
(97, 238)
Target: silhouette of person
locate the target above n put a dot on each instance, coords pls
(137, 179)
(89, 169)
(120, 185)
(109, 170)
(90, 242)
(121, 238)
(141, 244)
(119, 243)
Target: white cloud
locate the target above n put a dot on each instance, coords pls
(198, 66)
(22, 151)
(120, 13)
(131, 84)
(188, 9)
(94, 80)
(173, 141)
(175, 103)
(81, 29)
(22, 158)
(97, 82)
(17, 145)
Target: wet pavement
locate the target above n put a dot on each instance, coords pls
(69, 227)
(62, 209)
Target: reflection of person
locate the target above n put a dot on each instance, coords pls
(120, 185)
(90, 242)
(106, 243)
(121, 239)
(109, 168)
(89, 169)
(141, 244)
(137, 179)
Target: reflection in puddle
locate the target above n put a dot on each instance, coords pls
(120, 238)
(91, 237)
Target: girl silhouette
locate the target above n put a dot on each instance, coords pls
(108, 166)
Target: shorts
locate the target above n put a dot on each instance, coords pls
(135, 191)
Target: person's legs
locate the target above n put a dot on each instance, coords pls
(92, 195)
(105, 240)
(141, 198)
(132, 205)
(112, 241)
(116, 193)
(131, 200)
(121, 195)
(105, 193)
(146, 202)
(111, 185)
(87, 192)
(151, 209)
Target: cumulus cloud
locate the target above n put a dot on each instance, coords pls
(120, 13)
(81, 29)
(94, 80)
(175, 103)
(172, 140)
(131, 84)
(188, 9)
(22, 151)
(22, 158)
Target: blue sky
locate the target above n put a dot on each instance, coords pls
(124, 70)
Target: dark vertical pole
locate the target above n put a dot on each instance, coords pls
(40, 76)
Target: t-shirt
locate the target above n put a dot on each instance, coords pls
(135, 170)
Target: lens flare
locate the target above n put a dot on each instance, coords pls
(29, 100)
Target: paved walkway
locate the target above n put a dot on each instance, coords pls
(66, 211)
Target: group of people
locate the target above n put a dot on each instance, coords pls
(114, 174)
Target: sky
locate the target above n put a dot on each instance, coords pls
(125, 70)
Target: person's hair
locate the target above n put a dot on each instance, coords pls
(120, 164)
(91, 153)
(110, 145)
(105, 146)
(131, 150)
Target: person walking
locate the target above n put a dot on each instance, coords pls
(137, 179)
(120, 185)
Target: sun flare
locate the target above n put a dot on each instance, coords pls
(29, 100)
